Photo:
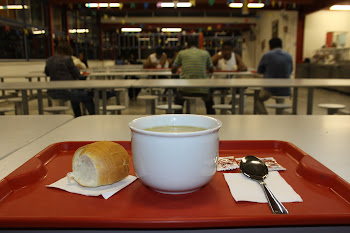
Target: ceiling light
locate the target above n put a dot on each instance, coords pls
(96, 5)
(171, 29)
(37, 31)
(131, 29)
(340, 8)
(81, 30)
(13, 7)
(172, 4)
(250, 5)
(256, 5)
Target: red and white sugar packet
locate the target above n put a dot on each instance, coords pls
(226, 163)
(270, 162)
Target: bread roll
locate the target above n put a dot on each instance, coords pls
(100, 163)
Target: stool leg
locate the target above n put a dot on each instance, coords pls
(331, 111)
(188, 107)
(153, 106)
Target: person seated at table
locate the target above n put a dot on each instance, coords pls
(194, 63)
(158, 59)
(274, 64)
(61, 67)
(227, 60)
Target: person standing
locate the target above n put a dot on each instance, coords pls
(274, 64)
(226, 59)
(61, 67)
(194, 63)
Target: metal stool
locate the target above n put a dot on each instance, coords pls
(18, 104)
(165, 107)
(57, 106)
(191, 103)
(224, 108)
(150, 103)
(331, 108)
(280, 104)
(114, 109)
(3, 110)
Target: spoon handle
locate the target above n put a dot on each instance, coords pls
(275, 205)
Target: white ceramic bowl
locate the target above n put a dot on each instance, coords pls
(175, 163)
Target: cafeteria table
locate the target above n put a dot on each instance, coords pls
(325, 138)
(234, 84)
(19, 130)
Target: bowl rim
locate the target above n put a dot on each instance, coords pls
(180, 134)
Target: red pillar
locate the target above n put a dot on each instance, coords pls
(300, 38)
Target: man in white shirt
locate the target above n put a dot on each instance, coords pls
(158, 59)
(227, 60)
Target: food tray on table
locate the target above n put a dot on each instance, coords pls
(25, 200)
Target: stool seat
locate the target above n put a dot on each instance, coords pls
(165, 107)
(223, 107)
(147, 97)
(3, 110)
(279, 107)
(56, 109)
(331, 108)
(113, 109)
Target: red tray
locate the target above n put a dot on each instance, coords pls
(26, 202)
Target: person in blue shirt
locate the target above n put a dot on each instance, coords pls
(274, 64)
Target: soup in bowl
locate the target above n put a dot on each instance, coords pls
(175, 153)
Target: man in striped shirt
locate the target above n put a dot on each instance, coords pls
(194, 63)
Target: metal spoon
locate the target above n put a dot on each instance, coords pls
(257, 170)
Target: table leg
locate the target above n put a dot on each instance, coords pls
(295, 101)
(40, 101)
(104, 101)
(170, 100)
(25, 102)
(97, 101)
(3, 91)
(233, 92)
(256, 96)
(310, 100)
(31, 91)
(241, 100)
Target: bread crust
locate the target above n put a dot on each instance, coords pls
(110, 161)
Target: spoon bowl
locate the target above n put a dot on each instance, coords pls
(257, 170)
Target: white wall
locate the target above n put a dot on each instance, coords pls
(253, 49)
(318, 24)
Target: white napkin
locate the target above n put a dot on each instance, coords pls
(245, 189)
(70, 185)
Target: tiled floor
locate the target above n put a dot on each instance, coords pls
(137, 107)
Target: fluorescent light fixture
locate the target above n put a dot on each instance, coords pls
(38, 32)
(114, 4)
(102, 4)
(340, 8)
(131, 29)
(13, 7)
(171, 29)
(172, 4)
(81, 30)
(256, 5)
(250, 5)
(236, 5)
